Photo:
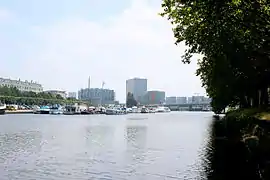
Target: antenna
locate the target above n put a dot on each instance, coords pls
(89, 82)
(103, 83)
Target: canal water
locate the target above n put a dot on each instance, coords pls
(133, 147)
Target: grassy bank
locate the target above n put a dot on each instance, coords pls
(250, 130)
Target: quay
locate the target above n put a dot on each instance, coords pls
(19, 112)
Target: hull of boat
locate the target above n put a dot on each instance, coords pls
(2, 111)
(44, 112)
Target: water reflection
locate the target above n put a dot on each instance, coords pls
(226, 160)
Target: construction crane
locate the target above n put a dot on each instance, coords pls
(101, 97)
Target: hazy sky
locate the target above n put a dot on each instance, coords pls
(59, 43)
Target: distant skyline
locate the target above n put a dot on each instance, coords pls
(61, 43)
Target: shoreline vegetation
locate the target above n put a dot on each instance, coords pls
(246, 134)
(232, 39)
(11, 95)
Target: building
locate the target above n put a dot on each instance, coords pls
(153, 97)
(22, 85)
(189, 100)
(171, 100)
(57, 92)
(97, 95)
(72, 95)
(136, 86)
(181, 100)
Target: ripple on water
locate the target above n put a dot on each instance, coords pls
(154, 146)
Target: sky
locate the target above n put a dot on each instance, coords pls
(61, 43)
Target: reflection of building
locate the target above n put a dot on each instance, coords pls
(153, 97)
(137, 87)
(72, 95)
(171, 100)
(181, 100)
(22, 85)
(97, 95)
(56, 92)
(136, 137)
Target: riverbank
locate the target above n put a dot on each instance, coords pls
(249, 130)
(19, 112)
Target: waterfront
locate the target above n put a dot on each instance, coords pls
(134, 146)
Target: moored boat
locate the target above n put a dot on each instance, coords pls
(56, 109)
(2, 108)
(44, 110)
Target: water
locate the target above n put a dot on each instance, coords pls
(134, 147)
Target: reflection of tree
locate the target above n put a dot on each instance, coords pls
(14, 145)
(226, 159)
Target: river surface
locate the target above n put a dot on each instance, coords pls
(133, 147)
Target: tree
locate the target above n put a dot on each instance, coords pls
(130, 102)
(232, 36)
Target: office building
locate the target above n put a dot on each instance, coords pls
(153, 97)
(181, 100)
(22, 85)
(171, 100)
(97, 96)
(136, 86)
(72, 95)
(63, 94)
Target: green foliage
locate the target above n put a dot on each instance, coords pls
(130, 102)
(11, 95)
(233, 37)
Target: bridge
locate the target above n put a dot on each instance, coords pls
(189, 107)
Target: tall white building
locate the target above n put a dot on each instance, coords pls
(22, 85)
(171, 100)
(181, 100)
(136, 86)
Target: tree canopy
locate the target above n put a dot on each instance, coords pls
(233, 37)
(11, 95)
(130, 101)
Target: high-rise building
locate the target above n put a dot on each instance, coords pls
(153, 97)
(72, 94)
(97, 95)
(171, 100)
(136, 86)
(22, 85)
(181, 100)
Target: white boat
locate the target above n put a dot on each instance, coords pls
(135, 109)
(2, 108)
(36, 109)
(115, 111)
(144, 110)
(56, 109)
(72, 110)
(44, 110)
(162, 109)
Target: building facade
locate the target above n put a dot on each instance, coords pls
(171, 100)
(22, 85)
(136, 86)
(97, 95)
(63, 94)
(181, 100)
(153, 97)
(72, 95)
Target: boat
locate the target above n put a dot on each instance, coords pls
(44, 110)
(162, 109)
(2, 108)
(115, 111)
(36, 109)
(56, 109)
(72, 110)
(144, 110)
